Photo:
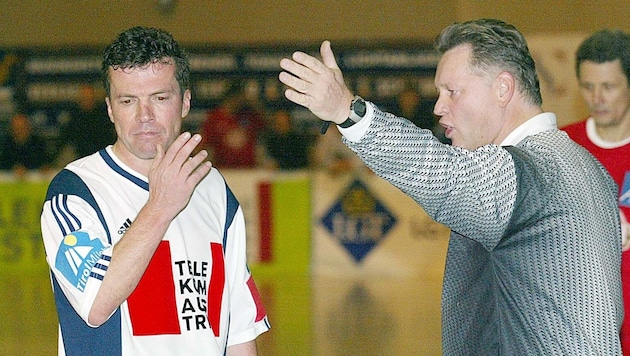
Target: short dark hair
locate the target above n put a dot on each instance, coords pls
(605, 46)
(140, 46)
(495, 45)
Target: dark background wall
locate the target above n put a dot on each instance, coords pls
(96, 22)
(71, 34)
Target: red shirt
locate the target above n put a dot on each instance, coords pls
(232, 137)
(615, 157)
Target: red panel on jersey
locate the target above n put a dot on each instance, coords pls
(215, 291)
(260, 310)
(152, 305)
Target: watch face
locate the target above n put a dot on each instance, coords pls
(359, 107)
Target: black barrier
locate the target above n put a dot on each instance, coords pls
(46, 83)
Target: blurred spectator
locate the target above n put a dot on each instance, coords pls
(231, 132)
(332, 155)
(411, 105)
(89, 128)
(603, 74)
(21, 149)
(285, 147)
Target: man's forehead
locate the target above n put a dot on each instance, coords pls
(454, 64)
(458, 56)
(141, 81)
(608, 65)
(602, 72)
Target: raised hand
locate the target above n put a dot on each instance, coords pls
(317, 85)
(174, 174)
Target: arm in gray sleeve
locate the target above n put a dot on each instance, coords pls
(472, 192)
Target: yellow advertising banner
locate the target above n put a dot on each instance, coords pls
(21, 247)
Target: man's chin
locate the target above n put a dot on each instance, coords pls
(148, 153)
(602, 120)
(147, 156)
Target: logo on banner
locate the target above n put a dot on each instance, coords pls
(358, 221)
(624, 197)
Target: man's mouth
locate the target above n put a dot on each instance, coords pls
(447, 130)
(147, 134)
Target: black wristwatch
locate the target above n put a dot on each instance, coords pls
(357, 112)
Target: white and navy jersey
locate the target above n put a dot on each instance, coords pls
(197, 295)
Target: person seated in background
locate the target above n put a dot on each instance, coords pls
(332, 156)
(411, 105)
(21, 149)
(285, 147)
(231, 132)
(89, 129)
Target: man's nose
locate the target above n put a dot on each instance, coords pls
(597, 95)
(440, 108)
(145, 113)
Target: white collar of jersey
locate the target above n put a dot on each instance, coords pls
(591, 133)
(537, 124)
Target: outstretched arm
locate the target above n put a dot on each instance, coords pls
(317, 85)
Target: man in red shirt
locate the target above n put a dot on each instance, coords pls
(603, 72)
(231, 131)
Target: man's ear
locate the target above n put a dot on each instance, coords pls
(109, 109)
(186, 103)
(506, 85)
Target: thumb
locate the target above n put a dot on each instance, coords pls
(328, 56)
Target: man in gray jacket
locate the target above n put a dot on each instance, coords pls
(533, 266)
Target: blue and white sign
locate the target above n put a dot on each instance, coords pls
(358, 220)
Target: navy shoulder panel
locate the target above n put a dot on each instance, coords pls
(230, 211)
(68, 183)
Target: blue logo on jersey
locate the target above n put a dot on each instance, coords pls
(76, 256)
(358, 221)
(624, 196)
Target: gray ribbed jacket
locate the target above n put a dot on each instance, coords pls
(533, 262)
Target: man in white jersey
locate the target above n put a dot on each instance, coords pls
(146, 243)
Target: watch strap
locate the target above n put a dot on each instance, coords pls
(355, 116)
(349, 122)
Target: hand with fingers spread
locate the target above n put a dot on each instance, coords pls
(317, 85)
(174, 174)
